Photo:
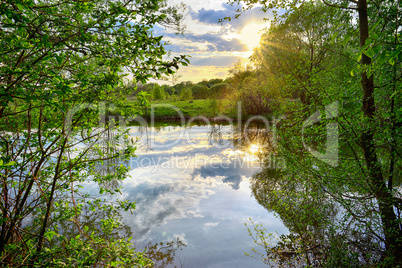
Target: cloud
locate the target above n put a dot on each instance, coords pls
(215, 61)
(233, 180)
(212, 16)
(204, 36)
(220, 74)
(210, 225)
(198, 73)
(217, 43)
(231, 171)
(209, 42)
(160, 201)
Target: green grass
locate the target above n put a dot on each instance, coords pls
(190, 108)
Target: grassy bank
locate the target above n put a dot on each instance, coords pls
(207, 108)
(173, 110)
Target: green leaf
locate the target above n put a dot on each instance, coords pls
(346, 40)
(50, 234)
(369, 52)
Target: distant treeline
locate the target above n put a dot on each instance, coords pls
(206, 89)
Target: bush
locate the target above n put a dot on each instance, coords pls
(220, 90)
(255, 97)
(200, 92)
(186, 94)
(158, 93)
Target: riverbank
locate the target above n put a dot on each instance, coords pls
(176, 110)
(197, 111)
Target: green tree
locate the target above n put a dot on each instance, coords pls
(180, 86)
(362, 183)
(256, 92)
(186, 94)
(62, 65)
(220, 90)
(298, 50)
(200, 91)
(143, 102)
(158, 93)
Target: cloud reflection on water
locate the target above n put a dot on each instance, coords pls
(199, 191)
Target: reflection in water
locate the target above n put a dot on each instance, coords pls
(304, 209)
(179, 185)
(109, 145)
(301, 204)
(91, 223)
(321, 231)
(164, 254)
(196, 186)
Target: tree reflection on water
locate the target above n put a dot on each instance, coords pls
(321, 231)
(164, 253)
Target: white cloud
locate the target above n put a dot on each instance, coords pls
(197, 5)
(203, 36)
(209, 225)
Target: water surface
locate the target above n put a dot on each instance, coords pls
(193, 183)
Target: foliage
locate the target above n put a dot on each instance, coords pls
(349, 208)
(143, 102)
(186, 94)
(256, 94)
(163, 254)
(220, 90)
(200, 92)
(61, 68)
(210, 83)
(158, 93)
(297, 51)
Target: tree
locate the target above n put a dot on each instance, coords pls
(180, 86)
(255, 90)
(158, 93)
(143, 102)
(62, 64)
(200, 91)
(220, 90)
(298, 50)
(186, 94)
(362, 183)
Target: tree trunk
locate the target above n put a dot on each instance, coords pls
(384, 197)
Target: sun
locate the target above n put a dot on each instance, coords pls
(250, 35)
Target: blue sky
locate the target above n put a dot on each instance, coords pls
(213, 47)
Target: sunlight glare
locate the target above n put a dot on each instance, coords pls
(254, 148)
(250, 35)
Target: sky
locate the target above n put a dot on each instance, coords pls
(213, 47)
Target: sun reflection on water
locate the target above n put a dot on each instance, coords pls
(254, 148)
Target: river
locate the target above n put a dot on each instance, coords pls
(193, 183)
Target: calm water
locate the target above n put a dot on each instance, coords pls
(193, 183)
